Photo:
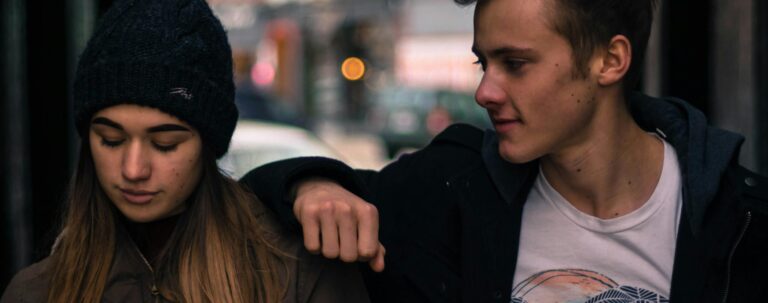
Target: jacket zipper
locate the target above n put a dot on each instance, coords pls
(155, 292)
(730, 256)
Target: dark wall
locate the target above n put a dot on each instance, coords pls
(686, 50)
(761, 54)
(49, 41)
(13, 176)
(5, 231)
(47, 93)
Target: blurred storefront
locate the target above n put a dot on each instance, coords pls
(294, 50)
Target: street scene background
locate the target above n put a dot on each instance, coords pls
(358, 80)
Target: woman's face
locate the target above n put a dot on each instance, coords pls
(147, 162)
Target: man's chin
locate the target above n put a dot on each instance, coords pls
(516, 155)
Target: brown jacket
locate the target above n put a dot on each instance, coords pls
(312, 279)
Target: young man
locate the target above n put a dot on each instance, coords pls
(583, 192)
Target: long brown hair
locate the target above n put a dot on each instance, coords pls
(217, 252)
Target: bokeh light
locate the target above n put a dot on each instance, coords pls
(263, 74)
(353, 68)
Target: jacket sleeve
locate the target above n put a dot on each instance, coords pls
(272, 183)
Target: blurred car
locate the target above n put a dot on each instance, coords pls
(254, 103)
(255, 143)
(410, 118)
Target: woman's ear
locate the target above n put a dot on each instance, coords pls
(614, 61)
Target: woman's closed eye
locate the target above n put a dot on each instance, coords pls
(162, 147)
(165, 148)
(111, 143)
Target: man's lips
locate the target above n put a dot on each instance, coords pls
(138, 196)
(504, 120)
(503, 124)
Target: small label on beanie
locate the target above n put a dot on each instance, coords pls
(181, 91)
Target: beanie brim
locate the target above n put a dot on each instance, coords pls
(180, 93)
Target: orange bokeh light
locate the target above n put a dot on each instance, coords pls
(353, 68)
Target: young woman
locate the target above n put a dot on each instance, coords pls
(149, 216)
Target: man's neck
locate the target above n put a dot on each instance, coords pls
(613, 171)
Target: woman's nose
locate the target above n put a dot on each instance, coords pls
(136, 166)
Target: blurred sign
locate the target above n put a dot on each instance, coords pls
(439, 61)
(236, 16)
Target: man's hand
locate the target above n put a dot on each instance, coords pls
(337, 223)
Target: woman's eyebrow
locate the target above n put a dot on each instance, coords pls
(107, 122)
(167, 128)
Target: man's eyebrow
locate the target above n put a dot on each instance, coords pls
(506, 50)
(510, 50)
(167, 128)
(107, 122)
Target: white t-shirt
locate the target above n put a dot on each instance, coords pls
(568, 256)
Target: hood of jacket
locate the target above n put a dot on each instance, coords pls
(704, 152)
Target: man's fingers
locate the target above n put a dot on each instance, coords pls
(337, 223)
(368, 231)
(377, 263)
(310, 227)
(347, 234)
(329, 231)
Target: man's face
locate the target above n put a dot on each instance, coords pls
(538, 103)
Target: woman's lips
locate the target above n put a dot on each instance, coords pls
(138, 196)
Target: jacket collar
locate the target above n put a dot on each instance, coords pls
(509, 178)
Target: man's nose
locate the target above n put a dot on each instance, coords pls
(489, 93)
(136, 165)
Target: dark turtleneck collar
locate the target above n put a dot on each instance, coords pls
(152, 237)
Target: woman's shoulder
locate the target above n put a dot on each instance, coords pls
(28, 285)
(322, 280)
(312, 278)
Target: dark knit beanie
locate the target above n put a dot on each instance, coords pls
(172, 55)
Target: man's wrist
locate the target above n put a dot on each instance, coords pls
(305, 184)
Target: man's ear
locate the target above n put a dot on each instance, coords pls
(614, 61)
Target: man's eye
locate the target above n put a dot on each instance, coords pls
(165, 148)
(481, 63)
(514, 65)
(111, 143)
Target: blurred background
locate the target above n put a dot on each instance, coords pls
(358, 80)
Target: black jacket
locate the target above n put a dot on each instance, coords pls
(450, 213)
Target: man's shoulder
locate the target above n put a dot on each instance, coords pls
(456, 150)
(745, 190)
(461, 135)
(751, 184)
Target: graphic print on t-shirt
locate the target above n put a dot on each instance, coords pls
(579, 286)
